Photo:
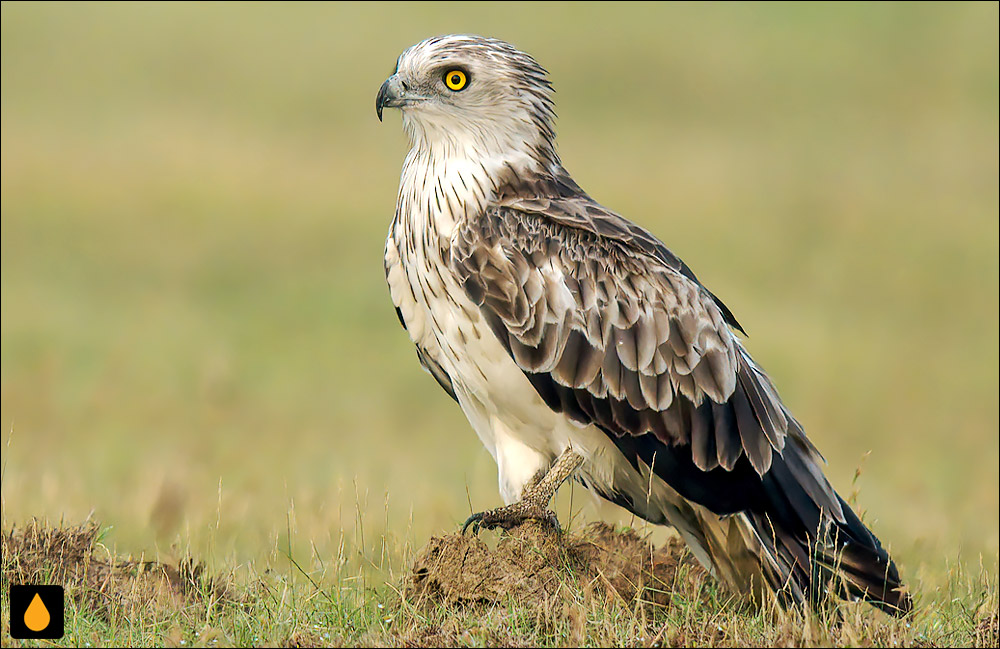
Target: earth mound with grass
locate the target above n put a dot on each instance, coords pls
(534, 564)
(72, 556)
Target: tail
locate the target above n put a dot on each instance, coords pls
(786, 533)
(760, 558)
(844, 560)
(804, 553)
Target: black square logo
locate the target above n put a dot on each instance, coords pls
(36, 612)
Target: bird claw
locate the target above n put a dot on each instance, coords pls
(475, 521)
(510, 517)
(534, 501)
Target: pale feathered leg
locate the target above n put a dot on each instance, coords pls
(534, 502)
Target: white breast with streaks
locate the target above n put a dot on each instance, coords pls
(520, 431)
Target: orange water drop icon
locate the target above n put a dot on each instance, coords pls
(37, 616)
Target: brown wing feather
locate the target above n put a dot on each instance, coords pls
(601, 308)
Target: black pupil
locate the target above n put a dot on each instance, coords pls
(455, 79)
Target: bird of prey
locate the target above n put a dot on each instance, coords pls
(579, 346)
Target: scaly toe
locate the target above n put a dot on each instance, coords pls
(510, 517)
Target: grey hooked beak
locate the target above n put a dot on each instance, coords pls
(392, 94)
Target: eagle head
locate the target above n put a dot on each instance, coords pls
(463, 92)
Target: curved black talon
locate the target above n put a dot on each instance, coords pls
(475, 520)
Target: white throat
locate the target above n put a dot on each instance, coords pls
(450, 174)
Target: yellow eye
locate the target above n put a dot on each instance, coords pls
(455, 80)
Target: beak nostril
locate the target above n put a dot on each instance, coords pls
(394, 93)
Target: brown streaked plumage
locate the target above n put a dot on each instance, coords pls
(574, 340)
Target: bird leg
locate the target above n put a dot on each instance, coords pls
(535, 498)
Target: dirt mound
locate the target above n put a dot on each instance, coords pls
(533, 564)
(72, 557)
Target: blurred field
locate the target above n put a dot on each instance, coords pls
(198, 347)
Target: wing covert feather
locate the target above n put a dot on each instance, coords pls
(612, 333)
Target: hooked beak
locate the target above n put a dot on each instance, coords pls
(392, 94)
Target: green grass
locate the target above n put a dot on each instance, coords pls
(198, 348)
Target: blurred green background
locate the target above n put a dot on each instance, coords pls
(198, 346)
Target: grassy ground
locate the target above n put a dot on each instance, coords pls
(199, 352)
(596, 586)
